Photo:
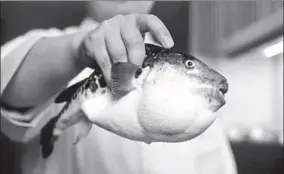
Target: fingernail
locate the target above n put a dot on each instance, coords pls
(168, 42)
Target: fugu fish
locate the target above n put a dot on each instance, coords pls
(172, 98)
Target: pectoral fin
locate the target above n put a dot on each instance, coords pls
(82, 129)
(66, 94)
(122, 76)
(79, 120)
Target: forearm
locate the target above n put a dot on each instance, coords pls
(47, 68)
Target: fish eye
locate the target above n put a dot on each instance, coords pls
(189, 64)
(138, 73)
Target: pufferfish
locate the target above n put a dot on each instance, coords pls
(172, 98)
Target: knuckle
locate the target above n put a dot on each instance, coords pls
(93, 36)
(153, 17)
(111, 23)
(116, 20)
(93, 41)
(105, 22)
(131, 17)
(119, 17)
(89, 39)
(106, 25)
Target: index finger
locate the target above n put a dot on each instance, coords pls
(151, 23)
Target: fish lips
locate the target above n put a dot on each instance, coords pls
(219, 95)
(219, 100)
(213, 97)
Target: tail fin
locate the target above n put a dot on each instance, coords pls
(47, 138)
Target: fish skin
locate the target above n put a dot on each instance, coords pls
(69, 94)
(95, 83)
(47, 138)
(122, 75)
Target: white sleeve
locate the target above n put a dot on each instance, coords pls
(17, 126)
(213, 153)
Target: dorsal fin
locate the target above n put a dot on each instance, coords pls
(154, 53)
(66, 94)
(152, 49)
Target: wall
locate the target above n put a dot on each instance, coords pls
(255, 97)
(212, 23)
(255, 93)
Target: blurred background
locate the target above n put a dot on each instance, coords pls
(243, 40)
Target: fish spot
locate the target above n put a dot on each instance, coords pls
(93, 87)
(82, 89)
(74, 96)
(102, 82)
(103, 91)
(86, 93)
(170, 133)
(87, 85)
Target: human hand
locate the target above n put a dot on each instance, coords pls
(120, 39)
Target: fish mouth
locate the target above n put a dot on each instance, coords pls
(219, 95)
(218, 100)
